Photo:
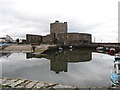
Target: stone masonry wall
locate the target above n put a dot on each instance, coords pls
(33, 39)
(57, 28)
(48, 39)
(74, 38)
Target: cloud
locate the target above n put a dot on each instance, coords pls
(18, 18)
(15, 23)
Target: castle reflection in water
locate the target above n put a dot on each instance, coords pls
(59, 59)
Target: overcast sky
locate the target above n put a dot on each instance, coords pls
(97, 17)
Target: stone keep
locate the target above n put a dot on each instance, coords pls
(58, 28)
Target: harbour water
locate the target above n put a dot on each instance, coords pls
(77, 67)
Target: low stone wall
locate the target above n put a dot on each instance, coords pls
(24, 83)
(15, 83)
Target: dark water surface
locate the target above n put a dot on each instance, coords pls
(78, 67)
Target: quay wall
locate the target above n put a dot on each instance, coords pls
(74, 38)
(15, 83)
(115, 45)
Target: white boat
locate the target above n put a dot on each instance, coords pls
(107, 49)
(117, 56)
(70, 46)
(60, 48)
(100, 48)
(115, 78)
(112, 49)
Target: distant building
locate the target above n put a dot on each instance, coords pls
(23, 41)
(59, 35)
(6, 39)
(2, 40)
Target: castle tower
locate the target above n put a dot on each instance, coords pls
(58, 28)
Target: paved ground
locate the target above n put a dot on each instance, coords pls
(10, 83)
(24, 83)
(17, 48)
(26, 48)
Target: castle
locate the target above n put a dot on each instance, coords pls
(59, 35)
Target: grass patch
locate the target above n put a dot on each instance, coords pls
(1, 86)
(39, 50)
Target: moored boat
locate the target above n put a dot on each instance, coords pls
(60, 48)
(115, 76)
(117, 56)
(107, 49)
(112, 51)
(70, 47)
(100, 48)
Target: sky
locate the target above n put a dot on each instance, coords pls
(97, 17)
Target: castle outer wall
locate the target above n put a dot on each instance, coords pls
(33, 39)
(74, 38)
(48, 39)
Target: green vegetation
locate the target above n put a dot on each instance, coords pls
(1, 86)
(39, 50)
